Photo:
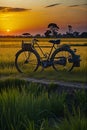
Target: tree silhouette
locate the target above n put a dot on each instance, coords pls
(70, 29)
(37, 36)
(47, 33)
(76, 34)
(26, 34)
(53, 30)
(72, 33)
(83, 35)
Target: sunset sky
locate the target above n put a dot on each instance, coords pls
(33, 16)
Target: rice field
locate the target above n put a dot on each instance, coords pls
(29, 106)
(25, 106)
(8, 49)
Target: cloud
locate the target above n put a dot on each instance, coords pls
(11, 9)
(52, 5)
(73, 5)
(77, 5)
(84, 4)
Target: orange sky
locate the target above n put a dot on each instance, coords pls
(33, 16)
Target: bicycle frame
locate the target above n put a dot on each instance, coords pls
(54, 58)
(76, 58)
(35, 42)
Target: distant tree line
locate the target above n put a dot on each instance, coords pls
(53, 29)
(53, 32)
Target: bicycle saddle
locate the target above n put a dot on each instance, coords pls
(55, 41)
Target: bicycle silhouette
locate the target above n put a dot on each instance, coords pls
(59, 57)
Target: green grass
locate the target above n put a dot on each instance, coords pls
(19, 109)
(29, 106)
(49, 74)
(74, 76)
(7, 66)
(77, 75)
(73, 123)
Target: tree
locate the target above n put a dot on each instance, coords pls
(37, 36)
(53, 30)
(26, 34)
(70, 29)
(76, 34)
(83, 35)
(47, 33)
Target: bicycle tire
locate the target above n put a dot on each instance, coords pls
(27, 61)
(68, 65)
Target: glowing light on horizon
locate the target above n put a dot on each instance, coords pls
(8, 30)
(13, 20)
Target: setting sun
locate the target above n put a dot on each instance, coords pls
(34, 16)
(8, 30)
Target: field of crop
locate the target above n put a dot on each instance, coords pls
(8, 50)
(30, 106)
(25, 106)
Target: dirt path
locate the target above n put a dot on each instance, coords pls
(60, 83)
(48, 82)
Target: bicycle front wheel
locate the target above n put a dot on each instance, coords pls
(26, 61)
(61, 60)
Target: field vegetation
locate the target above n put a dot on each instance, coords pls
(7, 58)
(28, 106)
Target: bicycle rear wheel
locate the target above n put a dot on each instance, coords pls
(27, 61)
(61, 60)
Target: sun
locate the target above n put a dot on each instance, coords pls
(8, 30)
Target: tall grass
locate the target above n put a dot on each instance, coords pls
(17, 109)
(73, 123)
(25, 106)
(7, 67)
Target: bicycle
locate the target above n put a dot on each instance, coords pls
(59, 57)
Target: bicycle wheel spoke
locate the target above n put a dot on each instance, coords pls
(26, 62)
(61, 60)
